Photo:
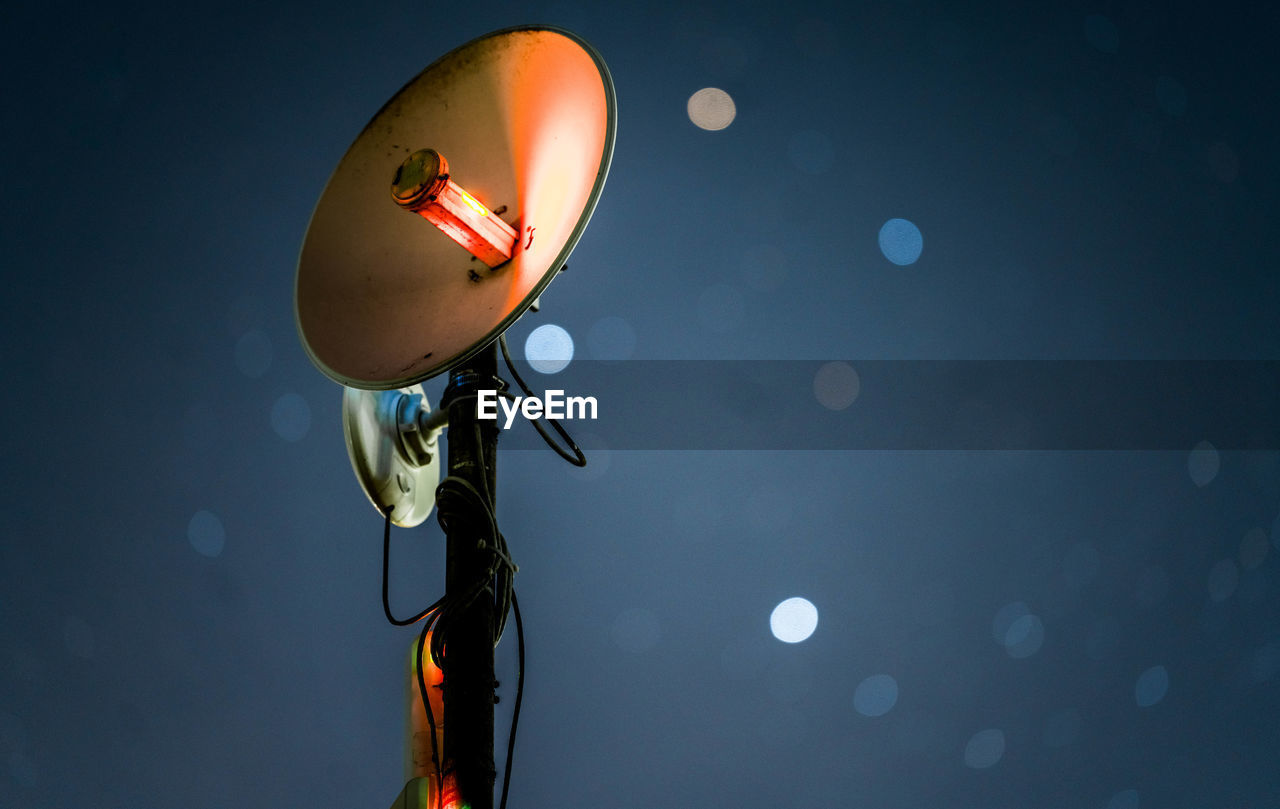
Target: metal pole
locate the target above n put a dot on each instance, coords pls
(468, 656)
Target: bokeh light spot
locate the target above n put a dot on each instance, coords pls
(611, 338)
(291, 417)
(1203, 463)
(985, 749)
(1124, 799)
(549, 349)
(1151, 687)
(636, 630)
(206, 535)
(253, 353)
(1101, 33)
(836, 385)
(811, 152)
(876, 695)
(901, 241)
(793, 620)
(711, 108)
(1224, 577)
(1005, 617)
(1025, 637)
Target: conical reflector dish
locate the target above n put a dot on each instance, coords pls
(525, 118)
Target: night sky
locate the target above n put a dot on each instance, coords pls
(189, 571)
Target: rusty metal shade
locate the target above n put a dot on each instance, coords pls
(526, 117)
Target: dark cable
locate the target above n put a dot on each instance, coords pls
(419, 668)
(458, 499)
(506, 571)
(426, 704)
(504, 596)
(386, 600)
(577, 459)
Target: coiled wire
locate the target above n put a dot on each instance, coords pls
(459, 502)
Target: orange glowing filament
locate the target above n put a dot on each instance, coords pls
(474, 204)
(422, 185)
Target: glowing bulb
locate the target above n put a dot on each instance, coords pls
(422, 185)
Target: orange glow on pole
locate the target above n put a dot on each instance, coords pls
(418, 758)
(422, 185)
(452, 800)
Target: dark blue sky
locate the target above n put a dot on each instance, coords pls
(189, 572)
